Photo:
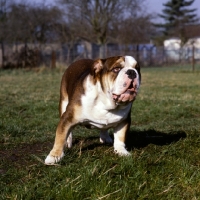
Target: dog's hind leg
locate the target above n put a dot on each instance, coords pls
(68, 142)
(104, 137)
(63, 106)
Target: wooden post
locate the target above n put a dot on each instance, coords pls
(3, 55)
(137, 53)
(53, 59)
(193, 58)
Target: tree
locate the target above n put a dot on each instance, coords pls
(177, 14)
(67, 33)
(3, 32)
(33, 24)
(135, 30)
(98, 21)
(25, 23)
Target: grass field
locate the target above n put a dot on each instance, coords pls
(164, 141)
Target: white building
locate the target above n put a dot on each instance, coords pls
(174, 51)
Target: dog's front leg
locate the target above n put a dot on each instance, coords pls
(120, 137)
(62, 133)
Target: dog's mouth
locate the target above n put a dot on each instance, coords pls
(128, 94)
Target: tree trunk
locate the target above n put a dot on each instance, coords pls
(193, 58)
(53, 59)
(25, 55)
(102, 51)
(3, 55)
(137, 53)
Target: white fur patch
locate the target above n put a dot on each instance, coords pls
(64, 106)
(69, 141)
(130, 61)
(50, 160)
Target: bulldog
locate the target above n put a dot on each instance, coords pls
(97, 93)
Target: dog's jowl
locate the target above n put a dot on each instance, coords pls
(97, 93)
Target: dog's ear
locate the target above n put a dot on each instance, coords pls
(98, 66)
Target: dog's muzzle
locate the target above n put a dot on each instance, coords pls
(126, 86)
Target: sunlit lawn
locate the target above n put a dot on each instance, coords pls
(164, 141)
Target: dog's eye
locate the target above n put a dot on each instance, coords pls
(116, 70)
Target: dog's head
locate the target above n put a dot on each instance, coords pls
(120, 76)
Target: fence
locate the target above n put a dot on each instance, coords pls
(30, 55)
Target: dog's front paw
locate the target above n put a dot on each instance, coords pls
(119, 148)
(50, 160)
(122, 152)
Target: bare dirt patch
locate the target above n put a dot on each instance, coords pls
(23, 154)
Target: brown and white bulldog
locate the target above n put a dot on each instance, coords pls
(97, 93)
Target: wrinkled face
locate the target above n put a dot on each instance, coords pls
(122, 78)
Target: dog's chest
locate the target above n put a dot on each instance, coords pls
(99, 112)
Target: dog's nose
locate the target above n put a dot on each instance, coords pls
(131, 74)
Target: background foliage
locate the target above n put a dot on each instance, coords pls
(28, 30)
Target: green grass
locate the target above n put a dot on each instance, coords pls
(164, 141)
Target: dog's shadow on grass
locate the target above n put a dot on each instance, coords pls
(140, 139)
